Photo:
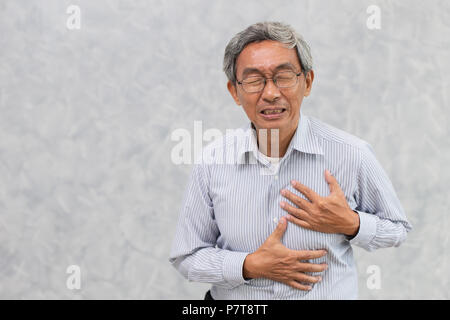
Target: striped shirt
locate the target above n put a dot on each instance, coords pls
(230, 209)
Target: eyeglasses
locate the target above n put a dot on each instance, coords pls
(285, 79)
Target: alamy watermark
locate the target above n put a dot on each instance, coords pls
(73, 281)
(374, 279)
(374, 20)
(73, 21)
(222, 148)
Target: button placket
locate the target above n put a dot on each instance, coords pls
(274, 208)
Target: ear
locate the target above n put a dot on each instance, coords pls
(233, 91)
(309, 80)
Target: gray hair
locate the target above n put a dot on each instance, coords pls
(266, 31)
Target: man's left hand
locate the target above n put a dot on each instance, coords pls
(330, 214)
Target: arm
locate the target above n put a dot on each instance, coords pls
(193, 252)
(382, 219)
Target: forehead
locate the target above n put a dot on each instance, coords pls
(266, 56)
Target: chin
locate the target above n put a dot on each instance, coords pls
(271, 125)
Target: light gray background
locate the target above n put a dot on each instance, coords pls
(86, 117)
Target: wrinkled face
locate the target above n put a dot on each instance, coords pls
(268, 58)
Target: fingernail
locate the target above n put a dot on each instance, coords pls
(282, 204)
(319, 279)
(293, 182)
(283, 192)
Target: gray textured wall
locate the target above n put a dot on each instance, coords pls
(86, 116)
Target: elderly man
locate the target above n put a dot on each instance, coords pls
(288, 234)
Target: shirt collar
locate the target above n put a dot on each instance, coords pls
(304, 139)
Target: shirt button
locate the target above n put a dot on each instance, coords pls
(276, 177)
(275, 220)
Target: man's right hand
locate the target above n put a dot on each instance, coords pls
(276, 262)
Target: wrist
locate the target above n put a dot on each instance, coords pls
(353, 226)
(249, 267)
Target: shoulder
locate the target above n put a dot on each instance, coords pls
(335, 137)
(351, 148)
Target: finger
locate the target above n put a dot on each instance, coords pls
(301, 203)
(280, 229)
(310, 254)
(301, 277)
(310, 194)
(333, 184)
(299, 222)
(299, 213)
(299, 286)
(311, 267)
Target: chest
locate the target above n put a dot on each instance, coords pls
(246, 202)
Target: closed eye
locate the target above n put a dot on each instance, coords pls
(254, 80)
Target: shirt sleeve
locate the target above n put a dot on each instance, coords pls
(194, 253)
(382, 219)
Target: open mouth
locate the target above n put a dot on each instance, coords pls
(272, 113)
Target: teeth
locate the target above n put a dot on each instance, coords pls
(272, 111)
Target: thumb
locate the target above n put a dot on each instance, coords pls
(280, 229)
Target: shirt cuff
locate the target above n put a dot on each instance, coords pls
(367, 229)
(233, 264)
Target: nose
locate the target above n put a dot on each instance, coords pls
(270, 92)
